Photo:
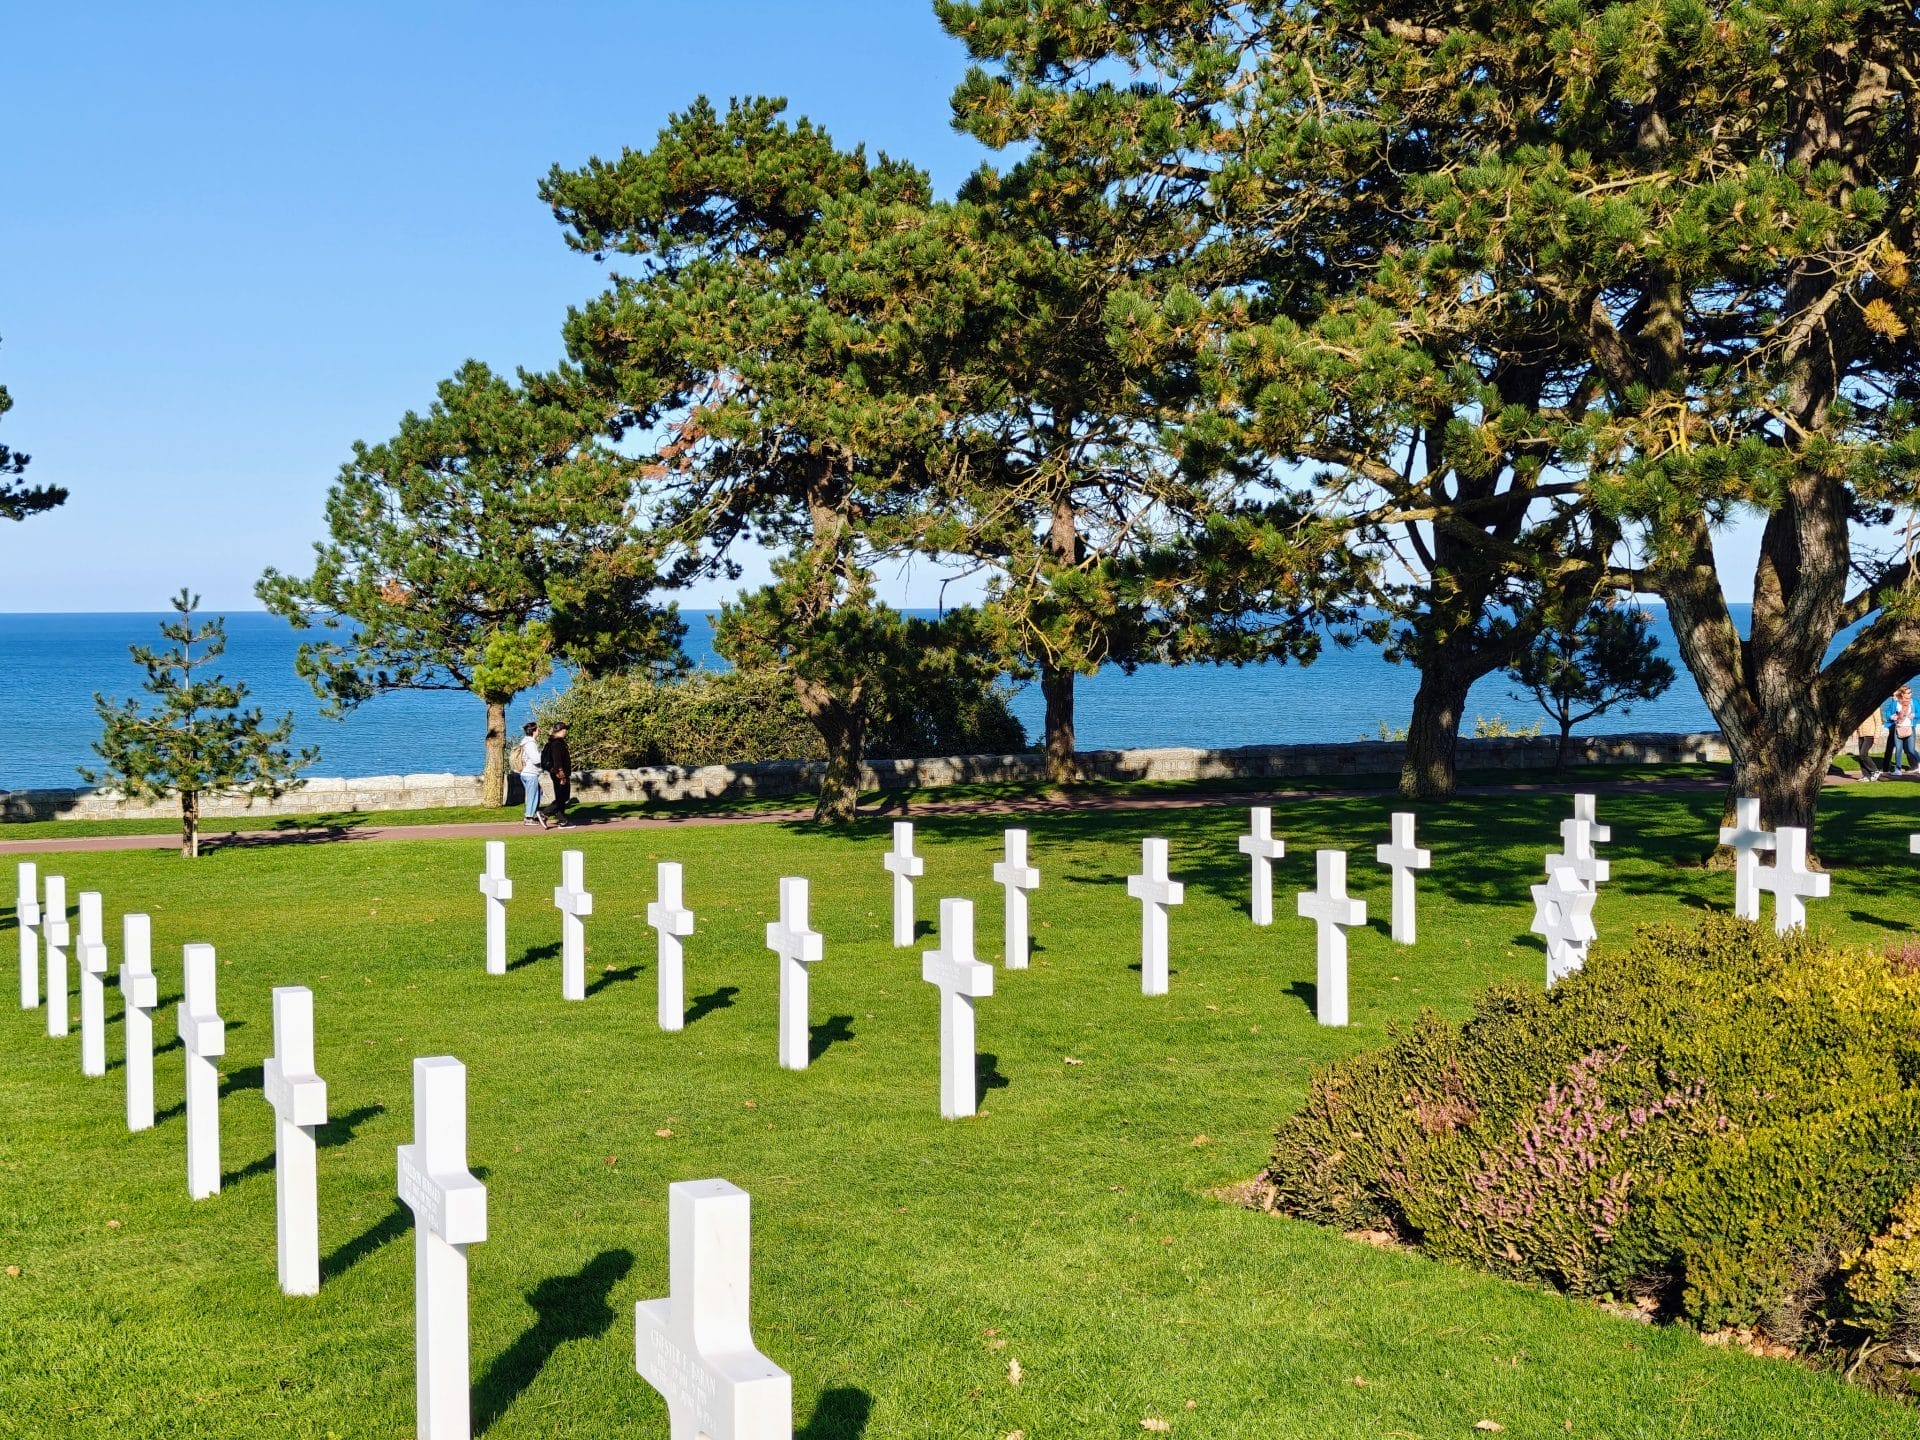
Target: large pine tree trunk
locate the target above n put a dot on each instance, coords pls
(189, 824)
(1433, 732)
(842, 724)
(493, 778)
(1056, 686)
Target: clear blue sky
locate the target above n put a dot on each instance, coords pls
(235, 238)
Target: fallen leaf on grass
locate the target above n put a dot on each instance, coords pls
(749, 1105)
(1359, 1380)
(1072, 1061)
(1193, 1404)
(663, 1134)
(113, 1224)
(1199, 1140)
(13, 1272)
(1016, 1435)
(1013, 1372)
(1488, 1425)
(1379, 1239)
(1155, 1423)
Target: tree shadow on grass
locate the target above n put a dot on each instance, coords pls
(613, 977)
(390, 1227)
(567, 1307)
(839, 1414)
(986, 1073)
(534, 954)
(705, 1005)
(829, 1032)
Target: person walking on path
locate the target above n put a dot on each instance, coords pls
(1863, 743)
(557, 761)
(1889, 708)
(527, 758)
(1905, 757)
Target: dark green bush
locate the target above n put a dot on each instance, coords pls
(1716, 1118)
(732, 717)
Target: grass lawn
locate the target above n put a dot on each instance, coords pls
(901, 1263)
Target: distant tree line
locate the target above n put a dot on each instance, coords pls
(1448, 328)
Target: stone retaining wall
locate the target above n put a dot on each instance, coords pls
(776, 778)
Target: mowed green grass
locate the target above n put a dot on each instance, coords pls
(901, 1263)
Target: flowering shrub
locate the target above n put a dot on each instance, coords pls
(1710, 1119)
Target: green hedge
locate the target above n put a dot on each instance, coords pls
(733, 717)
(1712, 1118)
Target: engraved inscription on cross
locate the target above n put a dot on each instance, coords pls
(26, 914)
(139, 994)
(696, 1346)
(1332, 910)
(449, 1207)
(1791, 881)
(1018, 878)
(905, 865)
(1155, 892)
(204, 1034)
(58, 934)
(498, 889)
(798, 947)
(1404, 857)
(961, 979)
(90, 955)
(299, 1101)
(670, 917)
(1748, 838)
(1261, 845)
(570, 897)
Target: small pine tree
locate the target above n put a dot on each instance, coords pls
(197, 738)
(1590, 660)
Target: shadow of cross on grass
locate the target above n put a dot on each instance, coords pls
(839, 1414)
(534, 954)
(328, 1136)
(566, 1307)
(828, 1033)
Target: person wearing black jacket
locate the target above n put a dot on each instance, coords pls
(558, 763)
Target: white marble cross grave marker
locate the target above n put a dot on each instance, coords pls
(1332, 910)
(449, 1207)
(671, 918)
(1018, 878)
(1404, 857)
(204, 1034)
(570, 897)
(498, 889)
(90, 954)
(962, 980)
(798, 947)
(905, 865)
(1584, 809)
(1260, 844)
(696, 1346)
(1155, 892)
(1790, 879)
(299, 1101)
(1576, 853)
(26, 914)
(1563, 916)
(1748, 838)
(58, 935)
(140, 993)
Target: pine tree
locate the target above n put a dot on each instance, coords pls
(18, 500)
(197, 739)
(489, 538)
(1590, 659)
(1553, 294)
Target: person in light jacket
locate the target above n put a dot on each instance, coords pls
(1864, 740)
(526, 758)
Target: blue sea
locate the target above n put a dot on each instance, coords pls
(51, 666)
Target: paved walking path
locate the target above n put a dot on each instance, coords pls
(887, 808)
